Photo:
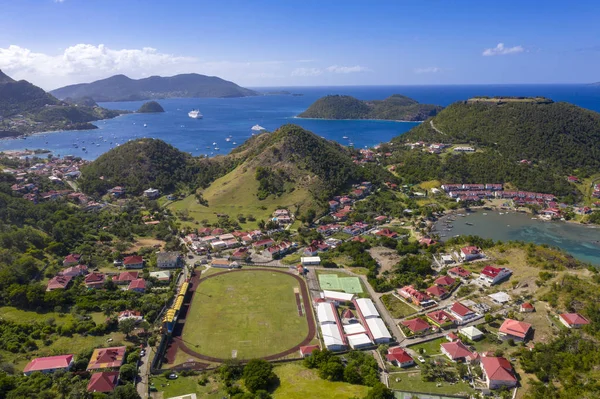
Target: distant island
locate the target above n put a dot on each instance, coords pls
(123, 88)
(151, 107)
(396, 107)
(26, 108)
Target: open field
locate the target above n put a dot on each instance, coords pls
(431, 347)
(186, 385)
(411, 381)
(396, 307)
(387, 258)
(234, 194)
(245, 314)
(297, 382)
(351, 285)
(145, 242)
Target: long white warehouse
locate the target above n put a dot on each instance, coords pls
(367, 308)
(378, 330)
(332, 337)
(326, 313)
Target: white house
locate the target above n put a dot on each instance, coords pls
(491, 275)
(471, 333)
(462, 313)
(470, 253)
(498, 372)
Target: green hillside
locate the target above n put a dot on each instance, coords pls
(559, 135)
(150, 107)
(395, 107)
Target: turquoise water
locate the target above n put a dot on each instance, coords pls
(581, 241)
(235, 116)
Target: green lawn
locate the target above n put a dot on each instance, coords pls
(398, 309)
(412, 381)
(185, 385)
(297, 382)
(252, 312)
(431, 347)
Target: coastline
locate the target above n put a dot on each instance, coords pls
(371, 120)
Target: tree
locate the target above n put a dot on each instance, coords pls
(332, 370)
(127, 326)
(380, 391)
(489, 318)
(126, 391)
(258, 374)
(128, 372)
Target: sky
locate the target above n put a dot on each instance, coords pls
(257, 43)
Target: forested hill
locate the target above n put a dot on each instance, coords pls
(395, 107)
(123, 88)
(26, 108)
(560, 135)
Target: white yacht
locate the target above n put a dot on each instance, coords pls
(195, 114)
(258, 128)
(227, 139)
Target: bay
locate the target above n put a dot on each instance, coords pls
(581, 241)
(233, 117)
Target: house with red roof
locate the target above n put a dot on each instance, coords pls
(440, 318)
(240, 254)
(573, 320)
(74, 271)
(573, 179)
(137, 285)
(437, 292)
(456, 351)
(459, 272)
(498, 372)
(125, 277)
(416, 326)
(427, 241)
(451, 336)
(461, 313)
(71, 260)
(381, 219)
(105, 381)
(470, 253)
(49, 364)
(517, 330)
(526, 307)
(94, 280)
(491, 275)
(58, 283)
(308, 350)
(130, 314)
(386, 233)
(411, 294)
(107, 358)
(133, 262)
(263, 244)
(444, 281)
(399, 357)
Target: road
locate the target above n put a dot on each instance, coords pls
(435, 128)
(144, 372)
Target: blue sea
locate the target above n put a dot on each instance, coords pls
(233, 117)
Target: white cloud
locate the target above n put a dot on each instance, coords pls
(347, 69)
(59, 1)
(307, 72)
(428, 70)
(500, 49)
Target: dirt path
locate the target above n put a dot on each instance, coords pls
(178, 342)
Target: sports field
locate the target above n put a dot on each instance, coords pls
(246, 314)
(351, 285)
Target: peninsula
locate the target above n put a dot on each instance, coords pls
(396, 107)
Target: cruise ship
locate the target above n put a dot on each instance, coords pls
(195, 114)
(258, 128)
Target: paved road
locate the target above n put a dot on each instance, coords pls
(144, 372)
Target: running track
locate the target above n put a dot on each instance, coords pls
(178, 343)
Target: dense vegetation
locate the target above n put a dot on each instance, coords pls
(361, 368)
(141, 164)
(395, 107)
(150, 107)
(560, 135)
(21, 97)
(122, 88)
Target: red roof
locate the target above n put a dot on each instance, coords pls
(491, 271)
(498, 369)
(103, 382)
(472, 250)
(574, 319)
(527, 305)
(459, 271)
(72, 258)
(440, 316)
(104, 358)
(444, 280)
(416, 325)
(515, 328)
(347, 314)
(399, 355)
(436, 291)
(460, 309)
(307, 350)
(94, 278)
(137, 284)
(127, 276)
(58, 282)
(130, 313)
(48, 363)
(456, 350)
(451, 336)
(133, 260)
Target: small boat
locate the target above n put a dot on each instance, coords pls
(216, 148)
(345, 137)
(485, 214)
(195, 114)
(145, 125)
(227, 139)
(351, 144)
(257, 128)
(469, 224)
(234, 143)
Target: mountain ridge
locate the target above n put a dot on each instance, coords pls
(123, 88)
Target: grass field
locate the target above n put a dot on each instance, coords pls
(431, 347)
(297, 382)
(252, 312)
(350, 285)
(397, 308)
(186, 385)
(234, 194)
(412, 381)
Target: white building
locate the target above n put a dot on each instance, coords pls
(491, 275)
(367, 308)
(337, 296)
(378, 330)
(151, 193)
(326, 313)
(332, 337)
(359, 341)
(310, 260)
(354, 328)
(471, 333)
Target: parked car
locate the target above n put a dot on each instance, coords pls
(172, 376)
(421, 359)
